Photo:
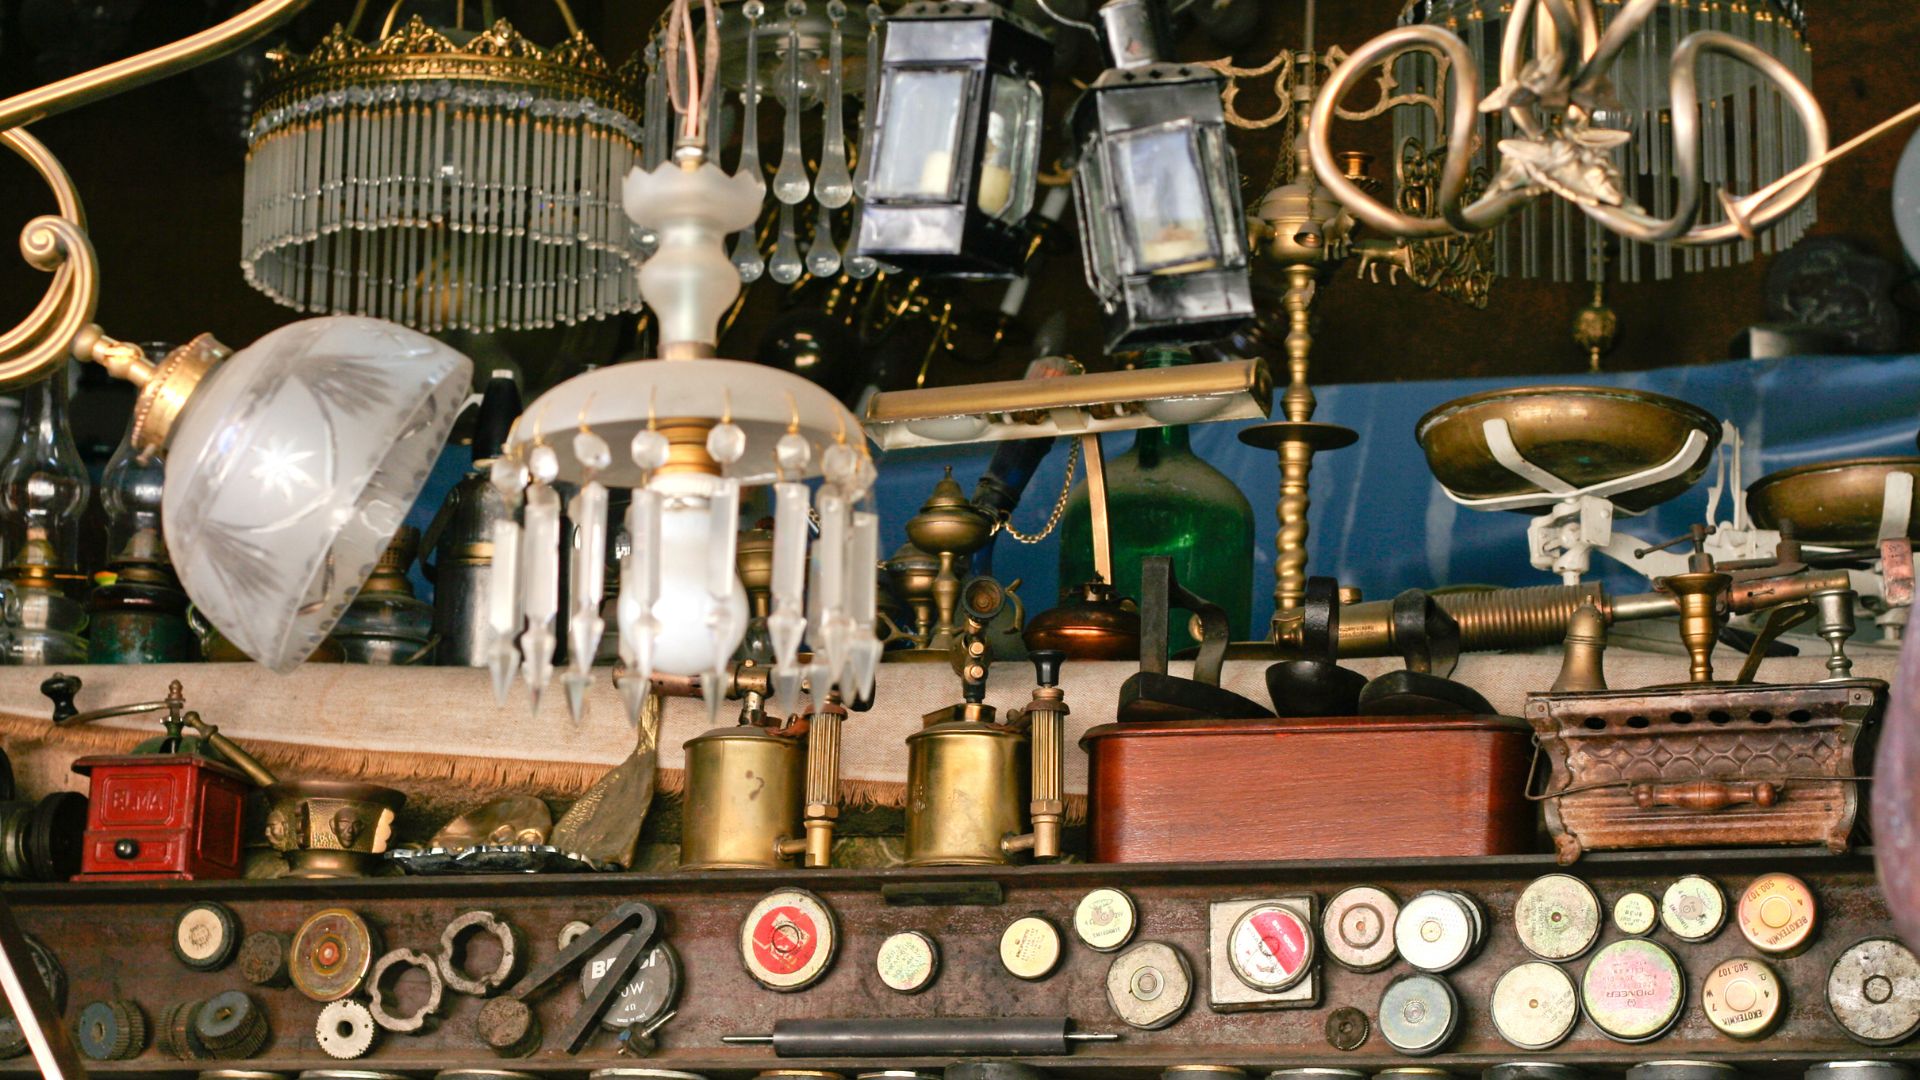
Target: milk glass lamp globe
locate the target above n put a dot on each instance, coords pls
(292, 465)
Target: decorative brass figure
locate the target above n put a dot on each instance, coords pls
(948, 527)
(1581, 664)
(604, 824)
(1703, 595)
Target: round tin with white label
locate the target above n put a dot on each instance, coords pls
(1633, 990)
(1475, 914)
(1778, 914)
(1419, 1014)
(1319, 1074)
(1270, 948)
(908, 961)
(1149, 985)
(206, 936)
(1635, 913)
(1535, 1005)
(1858, 1070)
(649, 992)
(1693, 909)
(1683, 1070)
(788, 940)
(1357, 927)
(1435, 931)
(1557, 917)
(1873, 990)
(1741, 997)
(1105, 919)
(1030, 948)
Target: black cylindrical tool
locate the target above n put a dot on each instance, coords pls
(926, 1036)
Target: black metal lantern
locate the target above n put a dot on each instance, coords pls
(954, 140)
(1161, 224)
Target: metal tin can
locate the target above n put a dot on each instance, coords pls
(1535, 1005)
(1316, 1074)
(1149, 985)
(1873, 990)
(1413, 1072)
(1030, 948)
(1778, 914)
(1435, 931)
(1635, 913)
(1633, 990)
(1270, 947)
(1532, 1070)
(966, 792)
(1858, 1070)
(745, 786)
(788, 940)
(1693, 909)
(1419, 1014)
(1683, 1070)
(1742, 998)
(908, 961)
(1557, 917)
(1105, 919)
(1358, 928)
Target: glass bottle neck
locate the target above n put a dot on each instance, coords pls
(1151, 444)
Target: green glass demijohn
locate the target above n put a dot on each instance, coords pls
(1164, 500)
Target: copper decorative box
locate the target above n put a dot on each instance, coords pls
(1308, 788)
(1713, 765)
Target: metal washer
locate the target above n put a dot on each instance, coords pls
(1535, 1005)
(1557, 917)
(1435, 931)
(1419, 1014)
(1873, 991)
(1358, 925)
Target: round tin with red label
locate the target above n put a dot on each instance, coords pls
(1633, 990)
(1270, 947)
(788, 940)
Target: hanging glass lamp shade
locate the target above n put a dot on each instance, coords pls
(292, 464)
(1157, 190)
(444, 180)
(953, 144)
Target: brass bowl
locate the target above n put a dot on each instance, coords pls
(331, 828)
(1831, 503)
(1585, 435)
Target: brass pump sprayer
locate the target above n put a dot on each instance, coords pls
(1047, 720)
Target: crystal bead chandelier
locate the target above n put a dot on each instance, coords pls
(685, 433)
(444, 179)
(1749, 133)
(800, 55)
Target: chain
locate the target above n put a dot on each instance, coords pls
(1059, 504)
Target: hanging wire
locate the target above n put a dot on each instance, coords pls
(687, 96)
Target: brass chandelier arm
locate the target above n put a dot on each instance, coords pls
(57, 244)
(150, 66)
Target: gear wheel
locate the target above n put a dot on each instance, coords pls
(176, 1032)
(111, 1030)
(228, 1023)
(345, 1029)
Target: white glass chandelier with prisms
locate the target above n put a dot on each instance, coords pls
(685, 433)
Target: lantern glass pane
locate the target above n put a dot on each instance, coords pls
(1007, 163)
(1091, 197)
(1164, 198)
(919, 134)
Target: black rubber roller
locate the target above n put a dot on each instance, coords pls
(930, 1036)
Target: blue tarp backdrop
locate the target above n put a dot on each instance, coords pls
(1380, 522)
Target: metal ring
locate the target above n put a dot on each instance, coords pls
(415, 1023)
(511, 950)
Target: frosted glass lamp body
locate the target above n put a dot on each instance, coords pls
(291, 467)
(954, 147)
(1162, 230)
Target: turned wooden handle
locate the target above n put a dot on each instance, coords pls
(1707, 795)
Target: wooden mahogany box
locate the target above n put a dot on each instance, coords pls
(1306, 788)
